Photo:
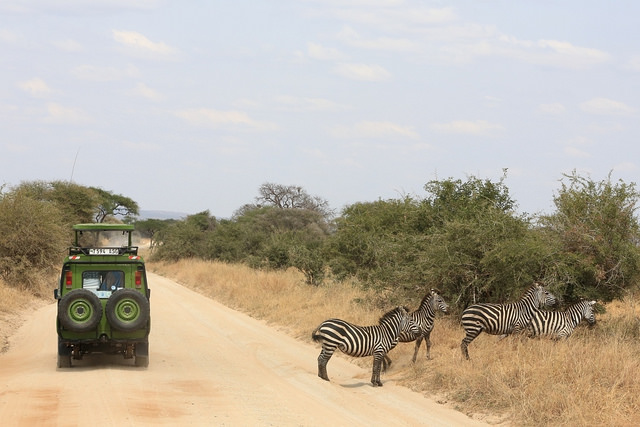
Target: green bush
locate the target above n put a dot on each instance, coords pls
(33, 238)
(597, 232)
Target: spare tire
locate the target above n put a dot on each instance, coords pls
(79, 311)
(127, 310)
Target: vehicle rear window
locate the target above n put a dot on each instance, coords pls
(103, 280)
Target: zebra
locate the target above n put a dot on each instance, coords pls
(423, 317)
(360, 341)
(560, 324)
(503, 319)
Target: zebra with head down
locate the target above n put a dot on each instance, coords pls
(503, 319)
(560, 324)
(360, 341)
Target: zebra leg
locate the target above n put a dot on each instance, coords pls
(323, 359)
(427, 340)
(375, 375)
(386, 363)
(415, 353)
(470, 336)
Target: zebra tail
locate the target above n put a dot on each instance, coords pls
(315, 336)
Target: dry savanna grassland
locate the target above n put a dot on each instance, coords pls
(15, 302)
(593, 378)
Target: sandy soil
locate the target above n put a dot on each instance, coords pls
(209, 366)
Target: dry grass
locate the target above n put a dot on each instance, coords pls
(280, 298)
(15, 302)
(592, 379)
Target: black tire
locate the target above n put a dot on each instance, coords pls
(127, 310)
(79, 311)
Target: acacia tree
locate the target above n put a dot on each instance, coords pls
(597, 233)
(76, 203)
(148, 228)
(111, 205)
(292, 197)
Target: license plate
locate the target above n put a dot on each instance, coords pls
(103, 251)
(103, 294)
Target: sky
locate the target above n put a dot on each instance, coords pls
(187, 106)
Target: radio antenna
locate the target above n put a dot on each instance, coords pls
(74, 165)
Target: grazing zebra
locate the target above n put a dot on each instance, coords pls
(360, 341)
(503, 319)
(423, 317)
(560, 324)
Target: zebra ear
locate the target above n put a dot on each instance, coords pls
(592, 302)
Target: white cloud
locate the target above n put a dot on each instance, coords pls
(224, 119)
(67, 7)
(633, 63)
(57, 114)
(9, 37)
(68, 45)
(467, 127)
(352, 38)
(565, 53)
(142, 44)
(373, 129)
(105, 74)
(463, 43)
(576, 152)
(317, 51)
(625, 167)
(389, 17)
(363, 72)
(139, 146)
(293, 103)
(576, 147)
(605, 106)
(36, 87)
(554, 109)
(146, 92)
(246, 103)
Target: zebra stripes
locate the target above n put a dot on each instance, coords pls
(360, 341)
(424, 317)
(503, 319)
(560, 324)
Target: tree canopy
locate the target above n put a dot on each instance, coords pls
(463, 237)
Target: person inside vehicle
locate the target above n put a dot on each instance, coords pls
(112, 281)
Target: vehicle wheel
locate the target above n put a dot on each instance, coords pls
(127, 310)
(64, 355)
(79, 311)
(142, 354)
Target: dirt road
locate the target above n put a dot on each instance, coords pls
(209, 366)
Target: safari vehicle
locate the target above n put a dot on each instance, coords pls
(103, 296)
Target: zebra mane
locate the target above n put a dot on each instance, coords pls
(532, 290)
(392, 313)
(428, 296)
(582, 302)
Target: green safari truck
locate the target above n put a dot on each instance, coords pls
(103, 296)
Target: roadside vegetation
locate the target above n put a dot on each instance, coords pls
(287, 257)
(589, 380)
